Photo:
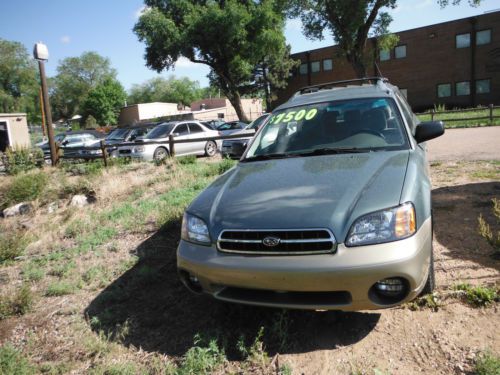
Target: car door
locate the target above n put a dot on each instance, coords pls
(180, 132)
(196, 131)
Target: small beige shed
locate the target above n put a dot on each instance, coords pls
(14, 131)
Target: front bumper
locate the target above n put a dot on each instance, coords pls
(340, 281)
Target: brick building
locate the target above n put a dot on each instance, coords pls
(455, 63)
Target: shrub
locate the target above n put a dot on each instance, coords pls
(189, 159)
(91, 122)
(487, 364)
(478, 296)
(487, 233)
(203, 358)
(24, 187)
(19, 304)
(12, 362)
(12, 245)
(225, 165)
(22, 160)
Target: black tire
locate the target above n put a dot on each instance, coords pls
(160, 154)
(430, 284)
(210, 148)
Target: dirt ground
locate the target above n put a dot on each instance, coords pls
(148, 313)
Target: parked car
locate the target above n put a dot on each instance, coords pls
(213, 124)
(234, 148)
(333, 212)
(231, 127)
(72, 140)
(116, 137)
(154, 145)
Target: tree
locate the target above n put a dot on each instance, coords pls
(19, 85)
(351, 23)
(104, 101)
(172, 90)
(230, 36)
(76, 77)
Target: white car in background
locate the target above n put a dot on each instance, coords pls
(155, 146)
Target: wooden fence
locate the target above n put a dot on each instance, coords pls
(74, 152)
(433, 113)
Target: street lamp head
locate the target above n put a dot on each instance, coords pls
(40, 52)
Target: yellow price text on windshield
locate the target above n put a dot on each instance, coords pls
(299, 115)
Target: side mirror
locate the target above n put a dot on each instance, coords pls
(176, 134)
(429, 130)
(65, 143)
(238, 149)
(132, 137)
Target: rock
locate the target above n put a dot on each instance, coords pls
(26, 224)
(22, 208)
(79, 201)
(52, 207)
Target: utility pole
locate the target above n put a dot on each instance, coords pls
(41, 53)
(43, 114)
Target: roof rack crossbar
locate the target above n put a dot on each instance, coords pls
(320, 86)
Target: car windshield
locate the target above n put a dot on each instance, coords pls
(356, 125)
(160, 131)
(255, 124)
(59, 137)
(118, 134)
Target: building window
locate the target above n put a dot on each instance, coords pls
(444, 90)
(483, 86)
(400, 52)
(463, 40)
(327, 64)
(404, 92)
(385, 55)
(315, 67)
(483, 37)
(462, 88)
(303, 69)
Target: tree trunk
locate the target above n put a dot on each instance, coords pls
(357, 64)
(235, 99)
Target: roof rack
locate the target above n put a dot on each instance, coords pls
(323, 86)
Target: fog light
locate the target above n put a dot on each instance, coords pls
(190, 281)
(390, 287)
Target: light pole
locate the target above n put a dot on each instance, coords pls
(41, 53)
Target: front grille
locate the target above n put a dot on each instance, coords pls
(125, 151)
(290, 242)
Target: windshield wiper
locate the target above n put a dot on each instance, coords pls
(269, 156)
(333, 151)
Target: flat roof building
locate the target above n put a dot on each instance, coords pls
(14, 131)
(455, 63)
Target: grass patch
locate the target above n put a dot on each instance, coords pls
(487, 363)
(12, 362)
(33, 271)
(12, 245)
(430, 301)
(203, 358)
(18, 304)
(486, 231)
(189, 159)
(478, 296)
(60, 288)
(24, 187)
(462, 116)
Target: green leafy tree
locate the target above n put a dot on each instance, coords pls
(76, 77)
(171, 90)
(232, 37)
(351, 23)
(104, 102)
(19, 85)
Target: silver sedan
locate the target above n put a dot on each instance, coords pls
(155, 146)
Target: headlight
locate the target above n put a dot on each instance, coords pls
(139, 149)
(194, 230)
(383, 226)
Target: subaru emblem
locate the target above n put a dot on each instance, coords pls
(271, 241)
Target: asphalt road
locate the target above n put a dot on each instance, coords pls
(466, 144)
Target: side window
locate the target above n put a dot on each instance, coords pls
(182, 129)
(195, 128)
(73, 140)
(407, 113)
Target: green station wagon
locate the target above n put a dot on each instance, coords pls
(329, 208)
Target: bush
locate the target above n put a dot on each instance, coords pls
(12, 245)
(19, 304)
(12, 362)
(225, 165)
(22, 160)
(487, 364)
(24, 187)
(91, 123)
(189, 159)
(485, 229)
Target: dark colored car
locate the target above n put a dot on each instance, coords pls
(231, 127)
(116, 137)
(234, 148)
(71, 141)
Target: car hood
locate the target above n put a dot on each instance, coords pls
(328, 191)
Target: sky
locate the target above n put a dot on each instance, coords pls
(71, 27)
